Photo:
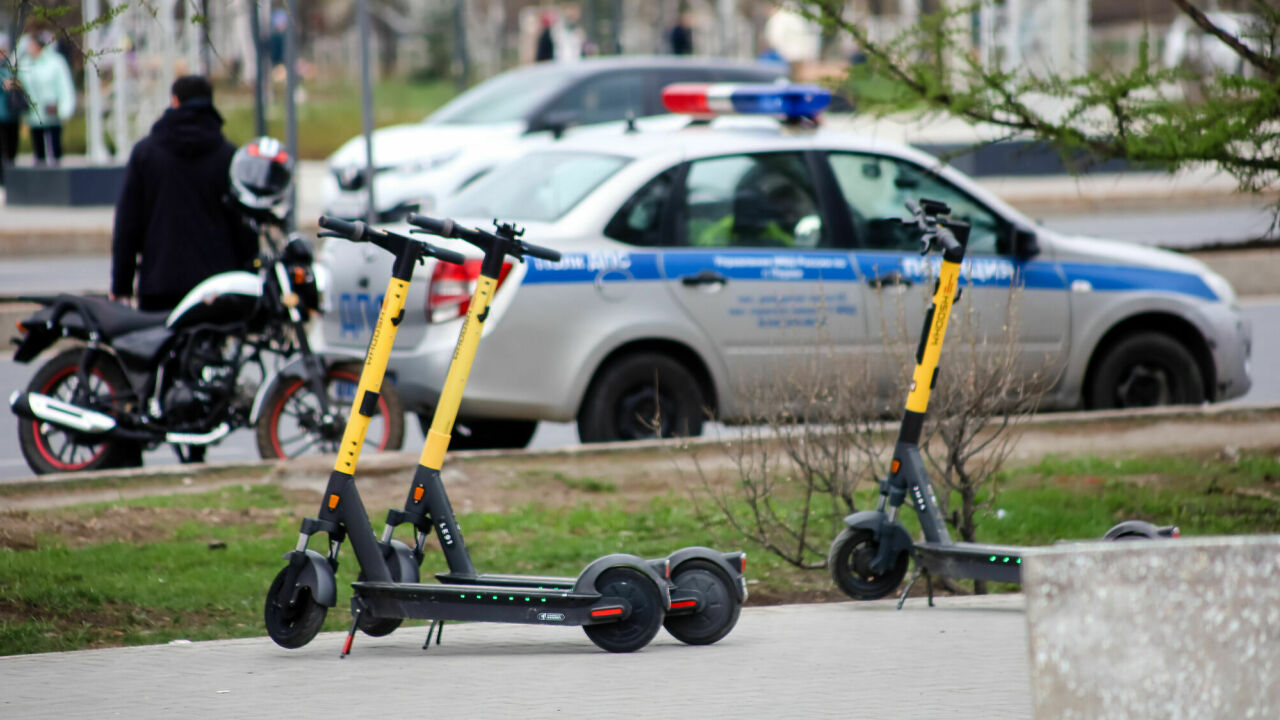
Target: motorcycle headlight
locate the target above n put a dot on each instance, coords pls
(321, 274)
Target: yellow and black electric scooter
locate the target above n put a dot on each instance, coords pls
(869, 558)
(620, 600)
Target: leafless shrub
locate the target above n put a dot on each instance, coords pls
(823, 428)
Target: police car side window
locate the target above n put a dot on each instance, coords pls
(876, 189)
(639, 221)
(761, 200)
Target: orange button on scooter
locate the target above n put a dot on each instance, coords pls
(333, 502)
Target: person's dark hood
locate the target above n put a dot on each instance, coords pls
(191, 129)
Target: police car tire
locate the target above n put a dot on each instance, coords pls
(1154, 349)
(598, 420)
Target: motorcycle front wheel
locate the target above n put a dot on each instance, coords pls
(49, 448)
(292, 422)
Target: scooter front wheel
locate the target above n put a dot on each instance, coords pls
(719, 608)
(292, 625)
(639, 627)
(849, 561)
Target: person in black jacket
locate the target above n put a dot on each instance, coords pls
(173, 226)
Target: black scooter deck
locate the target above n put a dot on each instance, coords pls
(537, 582)
(975, 561)
(489, 603)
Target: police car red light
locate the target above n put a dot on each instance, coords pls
(791, 101)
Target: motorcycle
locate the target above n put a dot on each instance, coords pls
(233, 354)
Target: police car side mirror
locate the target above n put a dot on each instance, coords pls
(1025, 244)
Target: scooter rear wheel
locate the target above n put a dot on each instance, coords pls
(719, 609)
(380, 626)
(292, 626)
(849, 561)
(638, 629)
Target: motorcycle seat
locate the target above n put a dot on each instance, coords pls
(111, 318)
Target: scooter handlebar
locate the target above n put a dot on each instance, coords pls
(353, 231)
(450, 256)
(444, 227)
(357, 231)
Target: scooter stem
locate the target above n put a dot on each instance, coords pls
(455, 382)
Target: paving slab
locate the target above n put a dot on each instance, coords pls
(965, 658)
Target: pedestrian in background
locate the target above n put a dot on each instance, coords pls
(546, 50)
(682, 34)
(172, 210)
(46, 79)
(13, 103)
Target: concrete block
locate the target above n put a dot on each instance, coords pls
(1186, 628)
(64, 185)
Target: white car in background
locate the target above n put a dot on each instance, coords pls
(711, 257)
(416, 165)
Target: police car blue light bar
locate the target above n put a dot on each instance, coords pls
(792, 101)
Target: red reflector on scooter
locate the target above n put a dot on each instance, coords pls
(680, 604)
(333, 502)
(606, 612)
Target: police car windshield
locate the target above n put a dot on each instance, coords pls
(506, 98)
(539, 187)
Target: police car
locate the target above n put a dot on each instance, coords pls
(700, 261)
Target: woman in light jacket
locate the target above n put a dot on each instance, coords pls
(46, 78)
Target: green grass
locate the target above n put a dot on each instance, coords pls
(74, 592)
(328, 118)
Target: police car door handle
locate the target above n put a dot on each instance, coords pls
(890, 279)
(706, 277)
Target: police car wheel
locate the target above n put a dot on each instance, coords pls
(1144, 370)
(638, 396)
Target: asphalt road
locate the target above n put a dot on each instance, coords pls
(1264, 314)
(1174, 227)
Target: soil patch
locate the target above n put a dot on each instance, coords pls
(23, 530)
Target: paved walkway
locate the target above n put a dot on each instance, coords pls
(966, 658)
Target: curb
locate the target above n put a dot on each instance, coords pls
(399, 463)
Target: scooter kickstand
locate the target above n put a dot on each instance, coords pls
(351, 634)
(910, 583)
(427, 645)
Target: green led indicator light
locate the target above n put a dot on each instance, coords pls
(510, 598)
(1006, 559)
(1019, 561)
(464, 596)
(495, 597)
(544, 599)
(526, 599)
(993, 558)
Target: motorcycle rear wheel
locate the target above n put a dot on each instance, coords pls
(48, 448)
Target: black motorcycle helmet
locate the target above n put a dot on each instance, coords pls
(261, 172)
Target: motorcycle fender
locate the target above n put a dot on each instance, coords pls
(292, 370)
(317, 574)
(586, 582)
(715, 557)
